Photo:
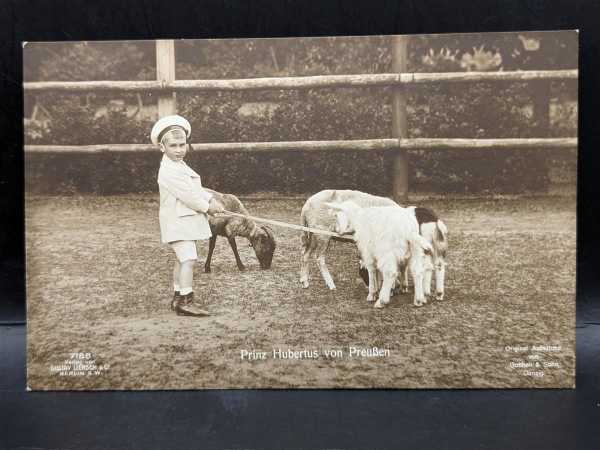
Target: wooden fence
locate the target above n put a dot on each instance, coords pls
(166, 87)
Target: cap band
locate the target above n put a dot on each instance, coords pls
(167, 130)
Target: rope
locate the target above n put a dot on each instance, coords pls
(292, 226)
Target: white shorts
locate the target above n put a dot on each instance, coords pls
(185, 250)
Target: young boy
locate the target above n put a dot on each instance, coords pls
(184, 206)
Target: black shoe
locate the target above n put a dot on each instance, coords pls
(176, 297)
(184, 306)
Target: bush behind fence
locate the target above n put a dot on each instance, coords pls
(302, 172)
(482, 111)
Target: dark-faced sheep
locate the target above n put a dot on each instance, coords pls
(261, 237)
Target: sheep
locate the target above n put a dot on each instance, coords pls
(261, 237)
(387, 238)
(434, 230)
(316, 215)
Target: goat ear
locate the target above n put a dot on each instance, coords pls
(267, 229)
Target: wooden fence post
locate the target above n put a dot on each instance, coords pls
(165, 72)
(399, 122)
(541, 93)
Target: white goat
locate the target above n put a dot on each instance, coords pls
(316, 215)
(387, 238)
(434, 230)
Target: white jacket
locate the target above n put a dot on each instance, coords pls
(183, 203)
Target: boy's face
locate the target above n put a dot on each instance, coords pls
(175, 146)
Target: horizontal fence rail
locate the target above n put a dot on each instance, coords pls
(358, 145)
(303, 82)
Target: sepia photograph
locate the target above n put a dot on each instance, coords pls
(393, 211)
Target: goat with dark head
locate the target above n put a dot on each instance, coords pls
(261, 237)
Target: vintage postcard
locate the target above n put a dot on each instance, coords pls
(336, 212)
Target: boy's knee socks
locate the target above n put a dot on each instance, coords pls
(185, 291)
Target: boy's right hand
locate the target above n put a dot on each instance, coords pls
(215, 207)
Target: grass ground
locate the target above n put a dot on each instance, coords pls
(99, 282)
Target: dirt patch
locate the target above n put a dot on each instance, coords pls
(98, 281)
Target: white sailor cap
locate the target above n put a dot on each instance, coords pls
(166, 124)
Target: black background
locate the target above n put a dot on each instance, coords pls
(492, 419)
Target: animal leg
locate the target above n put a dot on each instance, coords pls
(372, 283)
(427, 276)
(397, 287)
(378, 281)
(238, 261)
(325, 272)
(211, 248)
(440, 275)
(404, 287)
(305, 263)
(364, 274)
(321, 246)
(416, 270)
(386, 287)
